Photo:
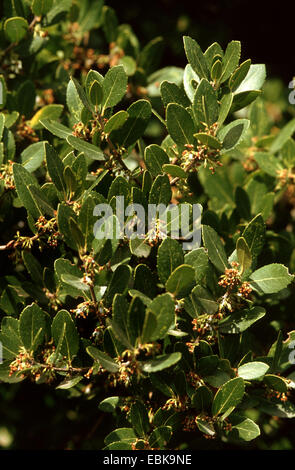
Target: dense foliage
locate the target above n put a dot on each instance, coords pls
(172, 344)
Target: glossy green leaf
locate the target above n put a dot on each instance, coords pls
(179, 124)
(252, 370)
(181, 281)
(170, 255)
(65, 335)
(196, 57)
(114, 86)
(161, 362)
(16, 28)
(32, 327)
(271, 278)
(229, 395)
(230, 60)
(215, 248)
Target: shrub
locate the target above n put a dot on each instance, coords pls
(173, 340)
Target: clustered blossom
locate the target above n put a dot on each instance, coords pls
(23, 361)
(193, 157)
(25, 131)
(231, 280)
(6, 174)
(48, 227)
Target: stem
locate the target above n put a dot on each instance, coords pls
(159, 117)
(93, 296)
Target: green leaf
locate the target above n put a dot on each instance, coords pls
(139, 247)
(230, 60)
(87, 220)
(10, 338)
(69, 383)
(277, 408)
(33, 266)
(155, 157)
(55, 168)
(205, 105)
(252, 370)
(121, 435)
(160, 191)
(139, 115)
(105, 361)
(33, 156)
(181, 281)
(118, 284)
(276, 383)
(283, 136)
(23, 179)
(139, 418)
(64, 213)
(225, 106)
(205, 427)
(109, 405)
(198, 259)
(246, 429)
(40, 200)
(41, 7)
(241, 320)
(114, 86)
(172, 93)
(190, 82)
(215, 248)
(160, 437)
(232, 134)
(241, 100)
(116, 121)
(174, 170)
(161, 362)
(170, 255)
(56, 128)
(95, 93)
(253, 80)
(74, 101)
(216, 70)
(196, 57)
(89, 150)
(271, 278)
(268, 163)
(254, 235)
(32, 325)
(65, 335)
(239, 75)
(208, 140)
(202, 297)
(135, 319)
(243, 254)
(229, 395)
(16, 28)
(50, 111)
(179, 124)
(77, 234)
(163, 308)
(202, 399)
(119, 187)
(213, 51)
(120, 445)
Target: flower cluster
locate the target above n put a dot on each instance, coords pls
(6, 174)
(25, 131)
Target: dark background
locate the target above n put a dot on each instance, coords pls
(266, 29)
(48, 420)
